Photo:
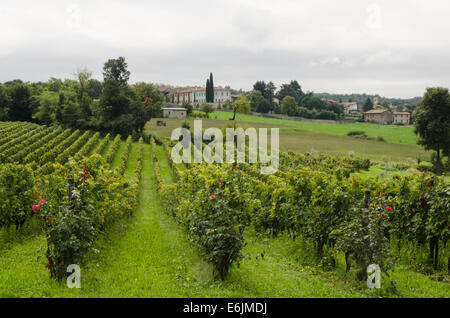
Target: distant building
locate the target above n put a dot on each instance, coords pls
(331, 101)
(179, 113)
(379, 116)
(197, 96)
(349, 107)
(235, 97)
(376, 102)
(402, 117)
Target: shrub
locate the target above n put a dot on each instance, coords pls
(81, 199)
(379, 138)
(138, 135)
(215, 227)
(327, 114)
(356, 133)
(186, 125)
(209, 203)
(16, 193)
(363, 238)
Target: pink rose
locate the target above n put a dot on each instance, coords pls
(389, 208)
(41, 202)
(213, 197)
(35, 207)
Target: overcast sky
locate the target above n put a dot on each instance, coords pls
(395, 48)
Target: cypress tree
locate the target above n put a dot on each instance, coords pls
(211, 84)
(207, 91)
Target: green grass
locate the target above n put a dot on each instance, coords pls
(118, 157)
(391, 133)
(324, 138)
(132, 162)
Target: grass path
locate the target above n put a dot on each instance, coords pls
(132, 162)
(166, 170)
(118, 157)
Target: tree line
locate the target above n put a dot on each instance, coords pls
(290, 100)
(111, 105)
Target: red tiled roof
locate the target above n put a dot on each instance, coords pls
(376, 111)
(198, 89)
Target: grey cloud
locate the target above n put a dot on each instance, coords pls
(326, 46)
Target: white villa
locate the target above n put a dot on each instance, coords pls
(197, 96)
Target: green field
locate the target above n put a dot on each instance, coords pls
(325, 138)
(391, 133)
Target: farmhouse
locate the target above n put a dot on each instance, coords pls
(379, 116)
(402, 117)
(197, 96)
(349, 107)
(179, 113)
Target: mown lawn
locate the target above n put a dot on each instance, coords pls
(324, 138)
(391, 133)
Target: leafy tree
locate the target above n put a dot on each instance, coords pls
(292, 89)
(385, 104)
(432, 120)
(83, 77)
(313, 102)
(242, 106)
(264, 107)
(255, 98)
(71, 114)
(85, 111)
(95, 88)
(59, 107)
(189, 108)
(20, 109)
(114, 99)
(261, 87)
(146, 105)
(148, 93)
(116, 70)
(270, 92)
(327, 114)
(55, 84)
(13, 82)
(368, 105)
(228, 105)
(289, 106)
(48, 104)
(5, 101)
(338, 109)
(207, 109)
